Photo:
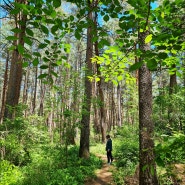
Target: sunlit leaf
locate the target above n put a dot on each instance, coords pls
(148, 38)
(120, 78)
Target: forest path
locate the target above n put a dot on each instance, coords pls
(103, 175)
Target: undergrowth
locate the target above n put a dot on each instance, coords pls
(48, 167)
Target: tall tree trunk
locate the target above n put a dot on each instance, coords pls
(173, 81)
(85, 122)
(146, 129)
(15, 77)
(172, 90)
(4, 89)
(35, 91)
(101, 98)
(147, 174)
(119, 106)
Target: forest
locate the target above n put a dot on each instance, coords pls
(73, 72)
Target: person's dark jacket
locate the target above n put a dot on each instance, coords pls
(109, 145)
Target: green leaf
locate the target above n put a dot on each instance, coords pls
(25, 64)
(135, 66)
(53, 73)
(15, 11)
(152, 64)
(56, 3)
(27, 41)
(35, 62)
(103, 43)
(11, 38)
(26, 55)
(162, 55)
(94, 39)
(115, 82)
(37, 54)
(11, 48)
(59, 62)
(77, 35)
(71, 18)
(20, 49)
(44, 29)
(44, 67)
(42, 46)
(106, 18)
(46, 59)
(42, 76)
(148, 38)
(47, 41)
(162, 15)
(16, 30)
(53, 14)
(120, 78)
(29, 32)
(54, 29)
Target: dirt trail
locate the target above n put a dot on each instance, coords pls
(103, 175)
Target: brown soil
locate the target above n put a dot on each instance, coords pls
(103, 175)
(179, 174)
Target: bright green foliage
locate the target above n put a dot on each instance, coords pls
(41, 163)
(48, 167)
(114, 66)
(9, 174)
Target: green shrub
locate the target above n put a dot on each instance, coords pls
(171, 149)
(127, 147)
(9, 174)
(49, 168)
(126, 152)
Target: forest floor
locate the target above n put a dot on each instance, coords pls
(103, 175)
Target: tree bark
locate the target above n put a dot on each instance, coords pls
(147, 174)
(85, 122)
(4, 88)
(15, 77)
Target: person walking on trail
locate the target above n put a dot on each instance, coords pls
(109, 149)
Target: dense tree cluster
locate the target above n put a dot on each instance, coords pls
(75, 68)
